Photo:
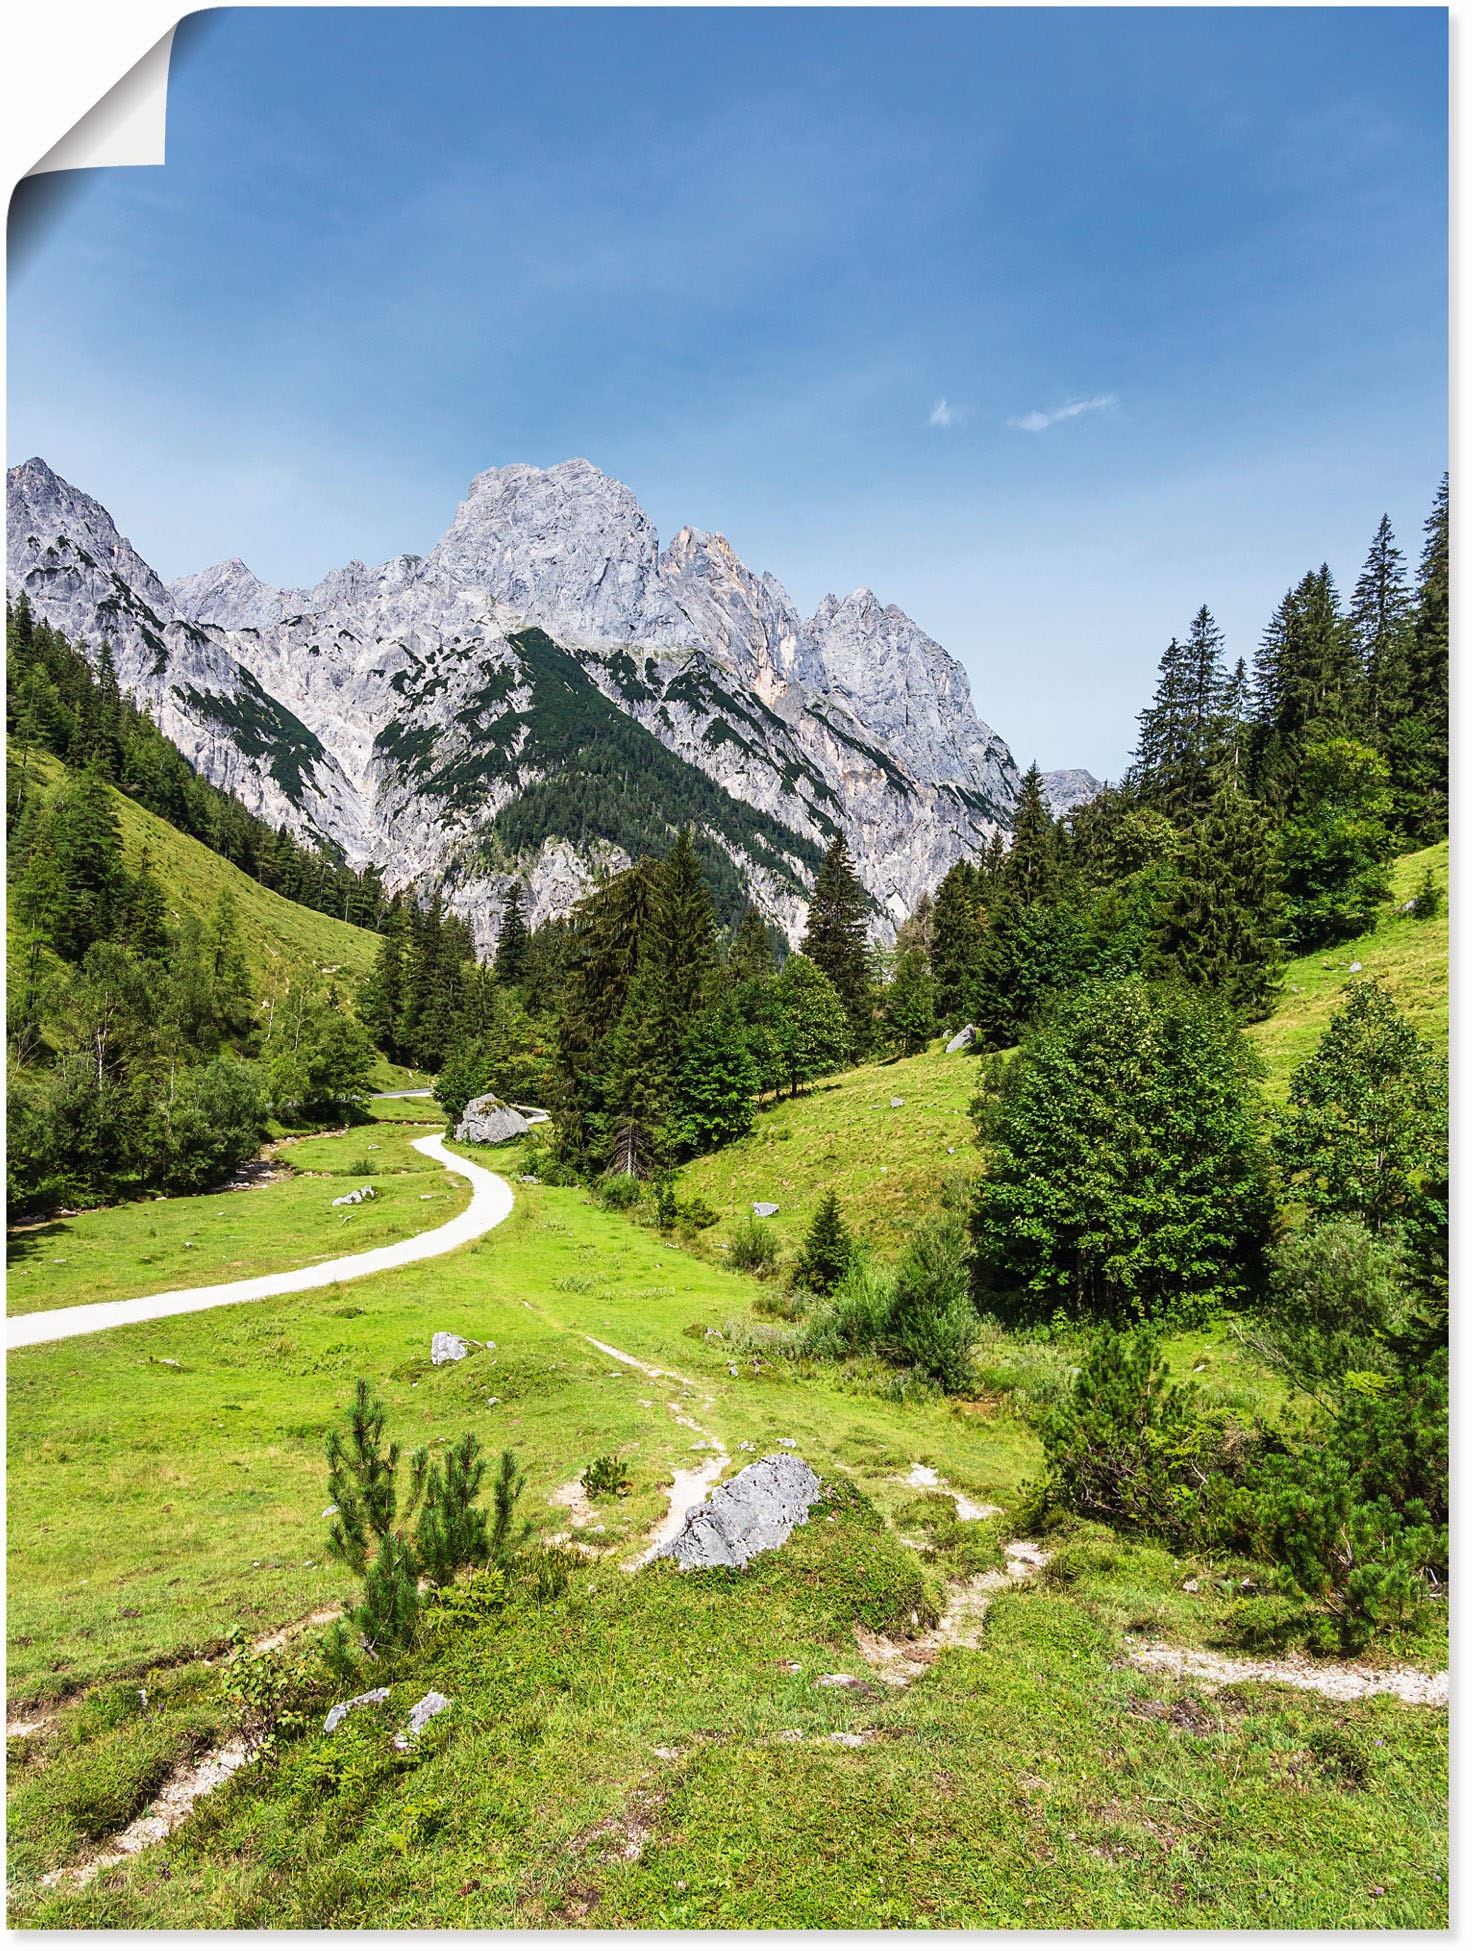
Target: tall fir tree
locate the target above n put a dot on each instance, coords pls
(1416, 737)
(750, 954)
(958, 921)
(680, 939)
(1380, 624)
(637, 1085)
(382, 1002)
(1223, 919)
(1030, 871)
(1306, 686)
(837, 939)
(510, 960)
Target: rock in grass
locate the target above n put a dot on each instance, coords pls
(448, 1348)
(345, 1707)
(755, 1512)
(764, 1209)
(424, 1711)
(487, 1121)
(963, 1039)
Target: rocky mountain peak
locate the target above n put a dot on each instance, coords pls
(746, 621)
(567, 548)
(903, 686)
(227, 594)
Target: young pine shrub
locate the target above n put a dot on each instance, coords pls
(827, 1251)
(933, 1327)
(753, 1248)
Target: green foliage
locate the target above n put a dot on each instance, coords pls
(1428, 900)
(511, 937)
(452, 1531)
(1336, 1296)
(718, 1083)
(837, 939)
(931, 1326)
(1131, 1449)
(267, 1691)
(753, 1248)
(606, 1476)
(1335, 844)
(1222, 921)
(908, 1004)
(1125, 1174)
(827, 1250)
(811, 1029)
(1364, 1133)
(957, 924)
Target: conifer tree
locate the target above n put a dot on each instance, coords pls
(74, 888)
(1380, 623)
(1223, 921)
(1336, 843)
(1416, 734)
(909, 1004)
(511, 938)
(382, 1003)
(718, 1083)
(146, 928)
(837, 939)
(637, 1085)
(1030, 871)
(827, 1250)
(750, 953)
(680, 937)
(1306, 685)
(1027, 949)
(958, 921)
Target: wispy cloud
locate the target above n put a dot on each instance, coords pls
(1035, 422)
(943, 414)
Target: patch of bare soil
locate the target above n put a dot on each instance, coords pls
(1335, 1679)
(189, 1781)
(898, 1662)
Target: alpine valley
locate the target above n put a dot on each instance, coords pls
(542, 698)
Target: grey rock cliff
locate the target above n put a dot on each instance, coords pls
(1069, 787)
(391, 710)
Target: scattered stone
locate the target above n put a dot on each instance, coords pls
(331, 1511)
(487, 1121)
(167, 1361)
(896, 1104)
(1355, 967)
(764, 1209)
(847, 1740)
(839, 1680)
(788, 1442)
(756, 1511)
(790, 1734)
(356, 1198)
(529, 1179)
(424, 1711)
(1191, 1585)
(448, 1348)
(746, 1446)
(343, 1708)
(963, 1039)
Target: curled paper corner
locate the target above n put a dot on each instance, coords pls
(126, 127)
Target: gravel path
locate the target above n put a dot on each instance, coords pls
(490, 1202)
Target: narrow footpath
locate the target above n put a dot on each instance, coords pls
(491, 1201)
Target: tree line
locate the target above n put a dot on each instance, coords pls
(58, 701)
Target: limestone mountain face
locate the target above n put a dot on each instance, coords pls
(543, 696)
(1069, 787)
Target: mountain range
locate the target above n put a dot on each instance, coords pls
(543, 696)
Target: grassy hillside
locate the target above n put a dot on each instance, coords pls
(886, 1162)
(1033, 1780)
(278, 936)
(1409, 956)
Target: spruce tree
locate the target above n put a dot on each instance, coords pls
(680, 937)
(511, 938)
(1335, 844)
(908, 1004)
(837, 939)
(1030, 871)
(827, 1250)
(146, 926)
(1380, 622)
(718, 1083)
(750, 953)
(636, 1084)
(1307, 686)
(1223, 921)
(957, 924)
(1416, 732)
(382, 1002)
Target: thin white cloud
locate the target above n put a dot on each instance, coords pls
(1035, 422)
(943, 414)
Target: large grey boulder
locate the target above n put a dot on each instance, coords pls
(487, 1121)
(963, 1039)
(755, 1512)
(447, 1348)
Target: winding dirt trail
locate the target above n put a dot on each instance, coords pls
(491, 1202)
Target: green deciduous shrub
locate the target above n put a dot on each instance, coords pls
(753, 1248)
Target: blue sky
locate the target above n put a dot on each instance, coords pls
(815, 279)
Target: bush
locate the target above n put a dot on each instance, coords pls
(266, 1693)
(616, 1192)
(1132, 1450)
(753, 1248)
(856, 1315)
(932, 1326)
(605, 1477)
(1335, 1292)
